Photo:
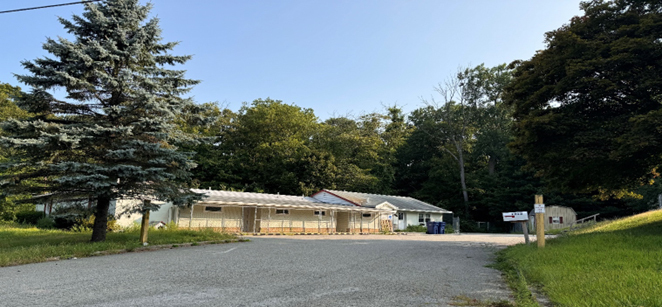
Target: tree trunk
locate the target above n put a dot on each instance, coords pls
(462, 179)
(491, 165)
(101, 219)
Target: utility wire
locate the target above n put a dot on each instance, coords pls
(47, 6)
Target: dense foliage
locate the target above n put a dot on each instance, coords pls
(591, 102)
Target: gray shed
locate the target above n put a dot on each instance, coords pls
(556, 217)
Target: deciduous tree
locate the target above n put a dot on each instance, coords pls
(588, 107)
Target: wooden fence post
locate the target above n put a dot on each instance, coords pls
(540, 224)
(144, 227)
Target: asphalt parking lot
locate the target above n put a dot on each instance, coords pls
(373, 270)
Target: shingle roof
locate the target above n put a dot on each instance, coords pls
(215, 197)
(403, 203)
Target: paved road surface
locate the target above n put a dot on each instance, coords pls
(269, 271)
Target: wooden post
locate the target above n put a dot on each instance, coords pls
(144, 227)
(540, 224)
(525, 228)
(268, 220)
(361, 227)
(255, 220)
(190, 221)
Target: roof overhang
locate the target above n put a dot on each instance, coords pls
(318, 206)
(426, 211)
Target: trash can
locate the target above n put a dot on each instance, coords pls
(436, 228)
(442, 227)
(430, 229)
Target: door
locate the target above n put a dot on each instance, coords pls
(342, 221)
(402, 223)
(249, 224)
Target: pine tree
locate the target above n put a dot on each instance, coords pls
(113, 135)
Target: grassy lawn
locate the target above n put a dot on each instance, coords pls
(21, 244)
(613, 263)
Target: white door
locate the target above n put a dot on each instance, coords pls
(402, 224)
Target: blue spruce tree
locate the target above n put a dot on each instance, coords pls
(114, 134)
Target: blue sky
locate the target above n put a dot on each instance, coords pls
(337, 57)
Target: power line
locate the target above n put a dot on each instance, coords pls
(47, 6)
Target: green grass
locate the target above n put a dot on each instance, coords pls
(614, 263)
(20, 244)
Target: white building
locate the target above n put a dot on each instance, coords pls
(408, 211)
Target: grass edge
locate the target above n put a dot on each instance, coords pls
(515, 280)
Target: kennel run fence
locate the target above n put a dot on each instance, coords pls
(285, 219)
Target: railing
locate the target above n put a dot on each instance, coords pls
(583, 220)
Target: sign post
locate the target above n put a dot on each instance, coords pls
(518, 217)
(525, 229)
(539, 208)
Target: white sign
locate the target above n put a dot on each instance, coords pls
(539, 208)
(519, 216)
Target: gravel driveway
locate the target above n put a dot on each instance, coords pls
(373, 270)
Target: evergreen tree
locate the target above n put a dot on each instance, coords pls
(113, 135)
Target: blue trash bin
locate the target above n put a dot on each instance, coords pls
(442, 228)
(430, 229)
(436, 228)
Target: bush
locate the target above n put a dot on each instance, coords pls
(416, 228)
(76, 222)
(29, 217)
(45, 223)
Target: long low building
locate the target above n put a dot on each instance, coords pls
(273, 213)
(324, 212)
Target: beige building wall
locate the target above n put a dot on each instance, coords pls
(296, 221)
(230, 219)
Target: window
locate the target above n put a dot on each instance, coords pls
(427, 217)
(555, 220)
(213, 209)
(322, 213)
(401, 216)
(282, 211)
(367, 214)
(420, 218)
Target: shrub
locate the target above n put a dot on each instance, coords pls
(83, 224)
(416, 228)
(71, 214)
(29, 217)
(65, 221)
(45, 223)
